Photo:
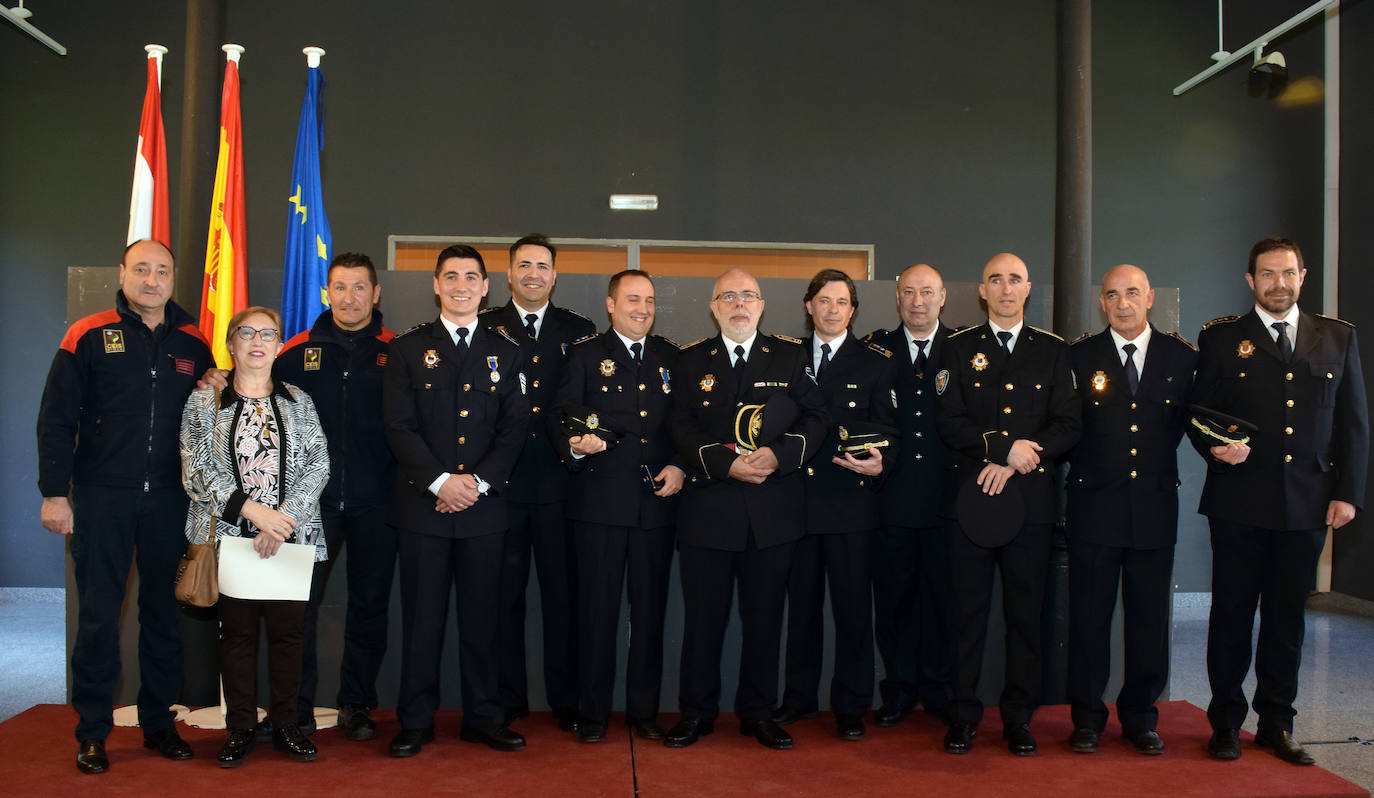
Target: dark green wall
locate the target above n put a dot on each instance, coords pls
(924, 128)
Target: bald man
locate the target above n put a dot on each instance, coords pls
(1006, 407)
(1123, 509)
(911, 560)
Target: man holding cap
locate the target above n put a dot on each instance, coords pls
(1006, 407)
(1297, 378)
(1123, 509)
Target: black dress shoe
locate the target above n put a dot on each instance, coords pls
(891, 714)
(1147, 742)
(502, 739)
(356, 722)
(290, 740)
(785, 715)
(1224, 745)
(408, 742)
(1084, 740)
(1019, 739)
(959, 738)
(1285, 747)
(687, 731)
(236, 746)
(91, 758)
(168, 744)
(568, 719)
(591, 731)
(646, 729)
(849, 727)
(768, 733)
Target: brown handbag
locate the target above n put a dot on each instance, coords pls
(197, 582)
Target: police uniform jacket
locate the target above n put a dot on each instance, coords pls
(342, 372)
(718, 512)
(985, 402)
(912, 494)
(539, 476)
(443, 414)
(1123, 484)
(856, 386)
(111, 408)
(1313, 441)
(608, 488)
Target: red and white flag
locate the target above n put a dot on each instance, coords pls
(148, 207)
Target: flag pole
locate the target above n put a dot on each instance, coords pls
(156, 51)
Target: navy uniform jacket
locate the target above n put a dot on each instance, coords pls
(857, 386)
(1313, 440)
(1123, 485)
(986, 402)
(342, 373)
(445, 416)
(111, 408)
(607, 488)
(718, 512)
(912, 494)
(539, 476)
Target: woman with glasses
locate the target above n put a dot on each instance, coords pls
(254, 460)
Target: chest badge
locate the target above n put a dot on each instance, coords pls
(979, 362)
(708, 382)
(941, 381)
(608, 368)
(431, 358)
(662, 372)
(1099, 381)
(114, 340)
(312, 358)
(1246, 348)
(495, 375)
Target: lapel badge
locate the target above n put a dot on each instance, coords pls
(979, 362)
(495, 375)
(1246, 348)
(312, 358)
(662, 372)
(941, 381)
(608, 368)
(431, 358)
(1099, 381)
(565, 350)
(592, 421)
(114, 340)
(708, 382)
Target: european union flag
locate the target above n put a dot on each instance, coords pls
(309, 243)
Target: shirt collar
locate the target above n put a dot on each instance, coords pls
(522, 313)
(452, 327)
(748, 345)
(1265, 318)
(834, 345)
(1015, 330)
(628, 341)
(1141, 341)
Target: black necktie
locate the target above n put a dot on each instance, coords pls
(738, 376)
(1005, 338)
(825, 359)
(462, 342)
(920, 357)
(635, 349)
(1285, 346)
(1132, 374)
(530, 319)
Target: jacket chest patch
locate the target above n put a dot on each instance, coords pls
(114, 340)
(313, 355)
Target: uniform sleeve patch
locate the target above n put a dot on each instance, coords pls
(941, 381)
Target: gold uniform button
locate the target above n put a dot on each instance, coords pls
(641, 386)
(1288, 458)
(1289, 403)
(1328, 375)
(1133, 475)
(918, 412)
(1134, 405)
(604, 388)
(1006, 411)
(535, 409)
(919, 435)
(851, 404)
(1009, 386)
(462, 439)
(1134, 428)
(534, 359)
(1133, 453)
(536, 383)
(1037, 386)
(1041, 469)
(643, 413)
(919, 456)
(810, 472)
(644, 440)
(1287, 430)
(918, 391)
(467, 386)
(706, 403)
(461, 466)
(462, 414)
(1288, 376)
(978, 385)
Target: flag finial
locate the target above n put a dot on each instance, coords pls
(233, 51)
(313, 55)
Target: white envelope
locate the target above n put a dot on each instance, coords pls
(285, 576)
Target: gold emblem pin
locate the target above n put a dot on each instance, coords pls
(608, 368)
(1099, 381)
(431, 358)
(708, 382)
(1246, 348)
(980, 361)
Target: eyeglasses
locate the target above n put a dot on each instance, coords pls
(731, 297)
(267, 335)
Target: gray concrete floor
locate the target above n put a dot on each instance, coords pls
(1335, 698)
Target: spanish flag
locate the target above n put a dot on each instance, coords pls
(225, 290)
(148, 207)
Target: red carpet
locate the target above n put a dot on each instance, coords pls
(37, 752)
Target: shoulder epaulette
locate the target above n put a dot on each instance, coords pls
(1085, 336)
(501, 331)
(490, 309)
(1046, 332)
(1181, 340)
(1338, 321)
(585, 339)
(572, 312)
(670, 342)
(869, 338)
(797, 341)
(880, 350)
(963, 330)
(1221, 320)
(685, 347)
(419, 326)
